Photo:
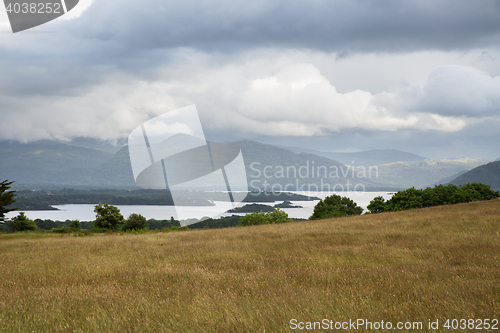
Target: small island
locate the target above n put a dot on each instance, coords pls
(251, 208)
(286, 204)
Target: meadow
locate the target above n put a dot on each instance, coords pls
(433, 264)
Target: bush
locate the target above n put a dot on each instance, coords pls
(256, 218)
(22, 223)
(63, 230)
(335, 206)
(135, 222)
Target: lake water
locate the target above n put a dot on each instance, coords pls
(86, 212)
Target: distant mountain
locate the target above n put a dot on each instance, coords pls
(110, 147)
(488, 174)
(365, 158)
(424, 173)
(283, 167)
(447, 180)
(498, 159)
(49, 163)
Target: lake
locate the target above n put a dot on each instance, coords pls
(86, 212)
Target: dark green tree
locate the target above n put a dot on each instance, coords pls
(22, 223)
(335, 206)
(407, 199)
(108, 217)
(6, 198)
(254, 219)
(377, 205)
(75, 224)
(277, 216)
(135, 222)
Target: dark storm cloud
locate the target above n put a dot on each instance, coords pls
(339, 26)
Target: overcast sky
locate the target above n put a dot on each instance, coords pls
(420, 76)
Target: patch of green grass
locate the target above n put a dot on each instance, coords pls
(434, 263)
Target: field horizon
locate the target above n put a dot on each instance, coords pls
(435, 263)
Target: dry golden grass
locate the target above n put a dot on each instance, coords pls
(435, 263)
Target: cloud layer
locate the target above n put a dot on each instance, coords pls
(300, 69)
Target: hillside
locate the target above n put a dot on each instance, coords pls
(408, 266)
(365, 158)
(47, 163)
(488, 174)
(424, 173)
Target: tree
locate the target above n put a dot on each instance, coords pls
(108, 217)
(277, 216)
(335, 206)
(6, 199)
(254, 219)
(135, 222)
(377, 205)
(75, 224)
(407, 199)
(22, 223)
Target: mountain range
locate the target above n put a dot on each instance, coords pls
(87, 163)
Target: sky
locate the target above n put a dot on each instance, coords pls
(333, 75)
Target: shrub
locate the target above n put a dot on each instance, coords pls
(63, 230)
(22, 223)
(256, 218)
(335, 206)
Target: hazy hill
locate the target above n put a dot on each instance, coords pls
(49, 162)
(498, 159)
(258, 156)
(424, 173)
(365, 158)
(488, 174)
(447, 180)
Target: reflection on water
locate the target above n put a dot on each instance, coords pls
(86, 212)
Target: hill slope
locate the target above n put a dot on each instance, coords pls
(49, 163)
(409, 266)
(424, 173)
(488, 174)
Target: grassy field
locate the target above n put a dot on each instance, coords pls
(434, 263)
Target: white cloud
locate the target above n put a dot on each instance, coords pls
(253, 94)
(78, 10)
